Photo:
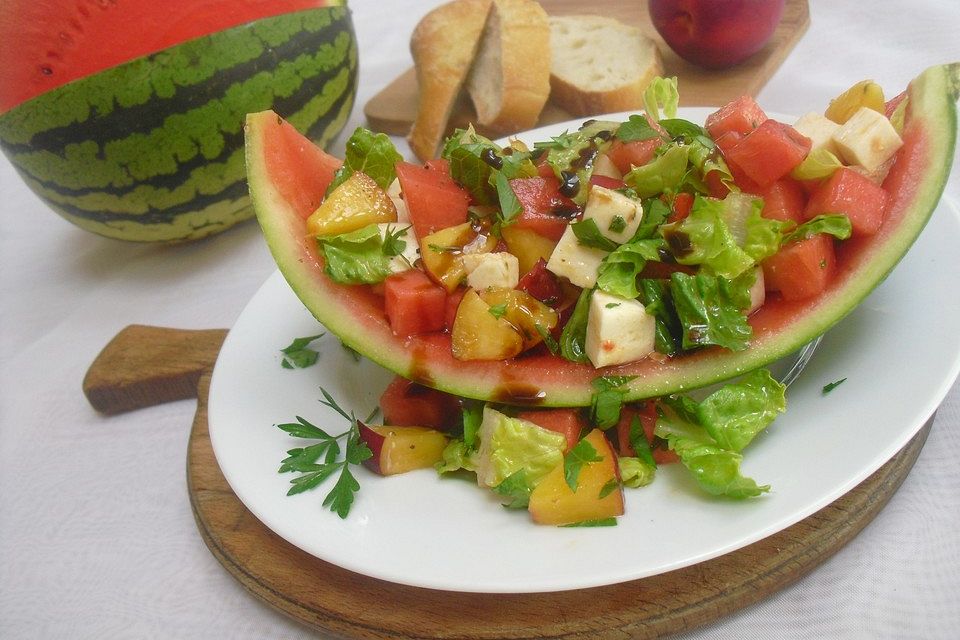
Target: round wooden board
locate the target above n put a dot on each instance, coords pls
(338, 602)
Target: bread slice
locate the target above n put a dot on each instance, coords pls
(444, 45)
(600, 65)
(510, 79)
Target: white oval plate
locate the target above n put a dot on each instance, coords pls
(899, 353)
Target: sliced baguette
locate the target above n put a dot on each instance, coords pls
(599, 65)
(444, 45)
(510, 79)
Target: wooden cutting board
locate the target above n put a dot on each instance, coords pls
(144, 365)
(394, 109)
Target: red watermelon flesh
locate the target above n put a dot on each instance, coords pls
(780, 326)
(47, 43)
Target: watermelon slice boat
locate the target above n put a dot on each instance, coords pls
(275, 160)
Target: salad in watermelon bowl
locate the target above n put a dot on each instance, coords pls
(550, 307)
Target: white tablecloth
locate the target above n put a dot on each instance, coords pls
(96, 534)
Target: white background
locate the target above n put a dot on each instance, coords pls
(96, 535)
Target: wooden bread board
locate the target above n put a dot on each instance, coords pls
(148, 365)
(394, 109)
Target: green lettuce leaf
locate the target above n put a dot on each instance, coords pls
(636, 473)
(734, 414)
(834, 224)
(710, 311)
(661, 93)
(472, 159)
(618, 272)
(709, 435)
(818, 164)
(357, 257)
(664, 173)
(716, 470)
(371, 153)
(456, 455)
(706, 236)
(509, 445)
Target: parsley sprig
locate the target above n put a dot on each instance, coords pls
(319, 461)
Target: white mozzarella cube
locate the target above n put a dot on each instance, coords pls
(820, 129)
(618, 330)
(603, 166)
(491, 270)
(617, 216)
(411, 250)
(758, 291)
(575, 262)
(403, 213)
(867, 139)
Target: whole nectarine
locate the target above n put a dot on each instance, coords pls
(716, 33)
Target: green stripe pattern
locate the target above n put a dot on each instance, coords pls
(152, 150)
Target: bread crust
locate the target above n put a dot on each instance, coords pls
(444, 45)
(580, 100)
(510, 80)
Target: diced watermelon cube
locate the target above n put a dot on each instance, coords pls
(725, 143)
(566, 422)
(407, 404)
(636, 153)
(784, 200)
(680, 207)
(434, 200)
(770, 152)
(543, 206)
(414, 303)
(742, 116)
(853, 195)
(801, 269)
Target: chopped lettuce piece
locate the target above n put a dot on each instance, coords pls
(357, 257)
(508, 445)
(818, 164)
(456, 455)
(716, 470)
(664, 173)
(709, 435)
(726, 237)
(571, 155)
(369, 152)
(734, 414)
(636, 473)
(661, 93)
(618, 272)
(835, 224)
(474, 162)
(710, 311)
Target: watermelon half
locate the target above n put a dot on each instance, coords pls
(150, 148)
(356, 315)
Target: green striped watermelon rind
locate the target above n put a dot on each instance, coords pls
(356, 315)
(152, 150)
